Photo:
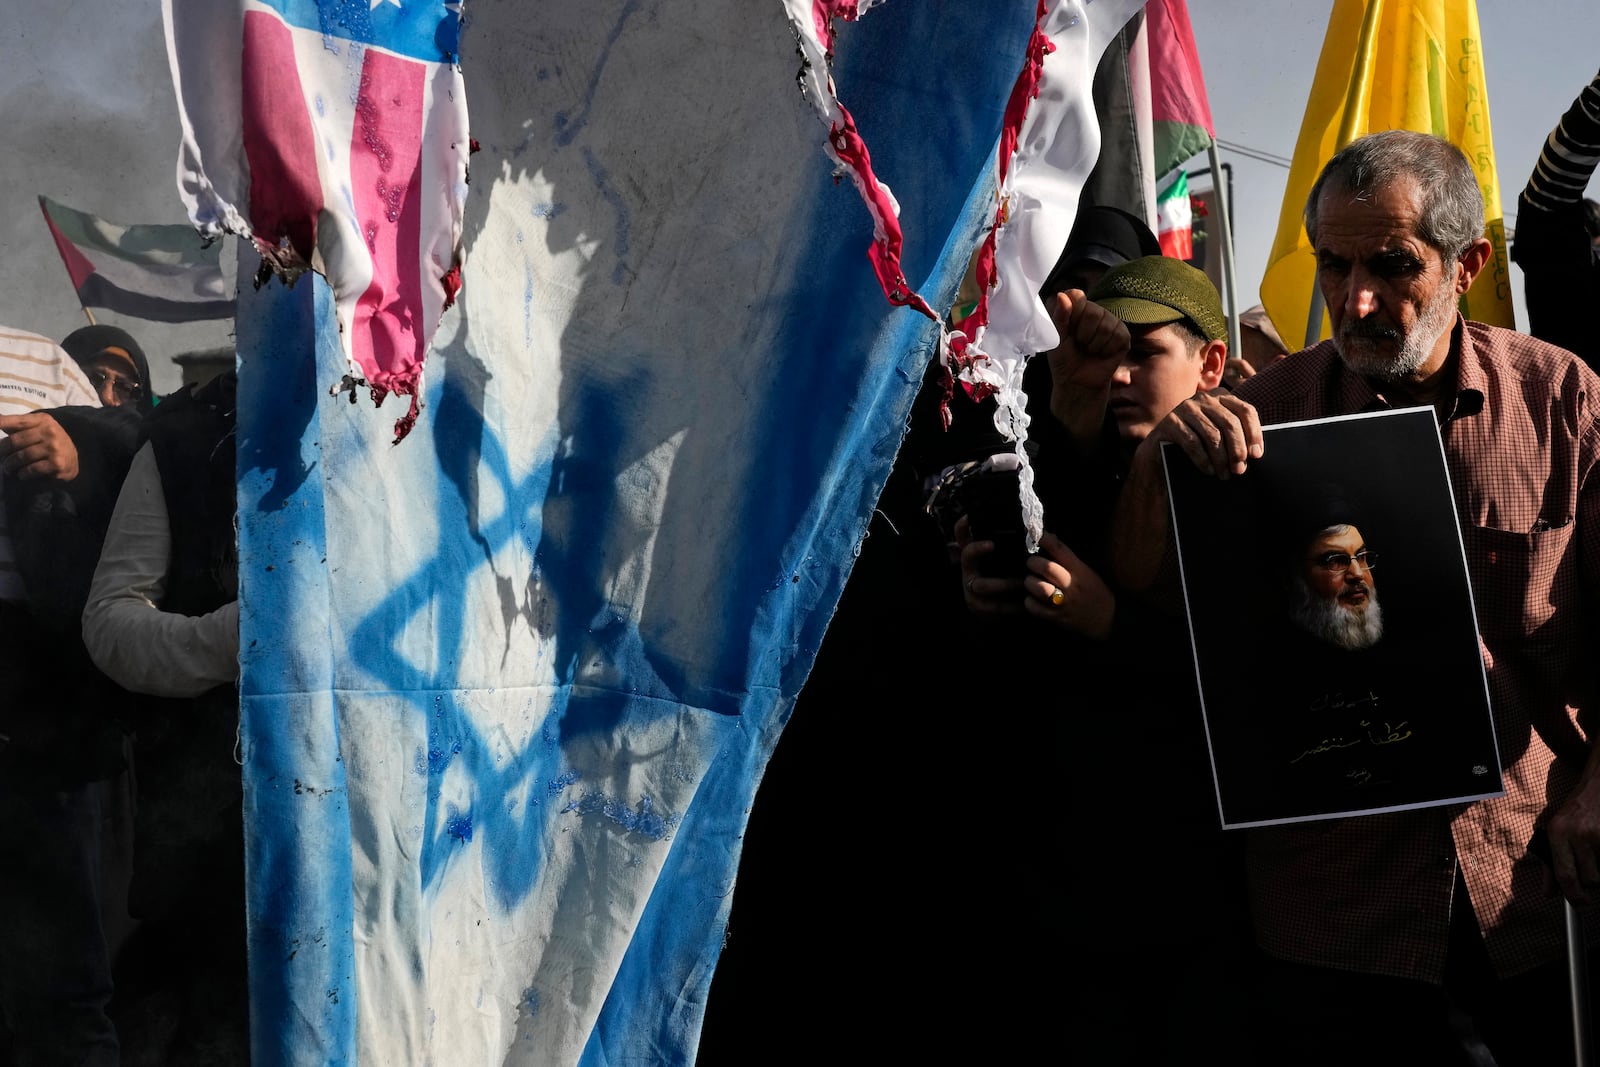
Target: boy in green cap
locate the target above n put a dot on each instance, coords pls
(1148, 336)
(1106, 668)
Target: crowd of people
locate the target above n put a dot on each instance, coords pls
(122, 889)
(1418, 934)
(1427, 934)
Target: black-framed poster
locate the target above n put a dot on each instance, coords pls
(1332, 621)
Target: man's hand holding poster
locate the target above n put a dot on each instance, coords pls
(1333, 627)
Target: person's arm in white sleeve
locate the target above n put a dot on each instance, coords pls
(137, 645)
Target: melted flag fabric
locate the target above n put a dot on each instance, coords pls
(1049, 142)
(508, 689)
(1400, 65)
(161, 273)
(814, 28)
(335, 135)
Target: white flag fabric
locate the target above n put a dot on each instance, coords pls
(1048, 145)
(507, 689)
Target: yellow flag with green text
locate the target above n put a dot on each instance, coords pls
(1390, 65)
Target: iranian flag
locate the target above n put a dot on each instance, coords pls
(161, 273)
(1174, 217)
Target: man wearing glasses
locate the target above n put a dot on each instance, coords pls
(1314, 734)
(1442, 915)
(57, 744)
(114, 364)
(1333, 597)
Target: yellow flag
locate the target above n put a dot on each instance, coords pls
(1390, 65)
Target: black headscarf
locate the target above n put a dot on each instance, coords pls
(1105, 235)
(88, 342)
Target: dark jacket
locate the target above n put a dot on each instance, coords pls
(190, 818)
(61, 716)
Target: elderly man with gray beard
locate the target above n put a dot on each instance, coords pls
(1333, 595)
(1431, 935)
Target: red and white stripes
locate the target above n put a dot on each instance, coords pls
(345, 158)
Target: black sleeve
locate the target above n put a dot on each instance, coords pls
(1551, 242)
(1078, 489)
(57, 527)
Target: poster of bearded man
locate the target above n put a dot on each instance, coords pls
(1331, 616)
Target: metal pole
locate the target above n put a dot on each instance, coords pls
(1314, 320)
(1578, 982)
(1577, 959)
(1229, 275)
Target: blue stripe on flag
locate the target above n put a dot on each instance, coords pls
(840, 425)
(418, 29)
(301, 894)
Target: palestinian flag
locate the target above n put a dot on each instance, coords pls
(161, 273)
(1175, 216)
(1180, 112)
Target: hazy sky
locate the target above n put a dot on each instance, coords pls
(90, 121)
(1259, 56)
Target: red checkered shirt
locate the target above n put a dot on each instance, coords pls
(1372, 894)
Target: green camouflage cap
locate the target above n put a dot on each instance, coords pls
(1159, 289)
